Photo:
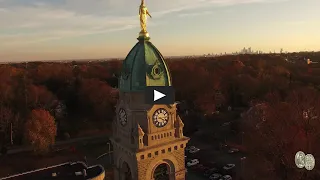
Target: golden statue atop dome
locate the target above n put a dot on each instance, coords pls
(143, 13)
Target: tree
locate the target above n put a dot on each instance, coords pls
(6, 118)
(40, 97)
(276, 130)
(9, 78)
(56, 77)
(40, 130)
(101, 103)
(59, 73)
(10, 126)
(259, 64)
(247, 87)
(206, 103)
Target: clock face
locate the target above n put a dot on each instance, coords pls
(160, 117)
(123, 117)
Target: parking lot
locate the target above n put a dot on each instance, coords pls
(214, 156)
(194, 176)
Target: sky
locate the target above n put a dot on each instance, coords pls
(89, 29)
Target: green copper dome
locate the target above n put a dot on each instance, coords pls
(143, 66)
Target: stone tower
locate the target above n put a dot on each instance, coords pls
(148, 141)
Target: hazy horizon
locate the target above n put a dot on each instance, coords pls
(33, 30)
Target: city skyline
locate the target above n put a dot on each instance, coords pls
(81, 29)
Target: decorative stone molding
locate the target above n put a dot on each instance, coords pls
(182, 172)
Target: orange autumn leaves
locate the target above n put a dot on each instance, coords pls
(40, 130)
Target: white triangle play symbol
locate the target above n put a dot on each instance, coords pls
(157, 95)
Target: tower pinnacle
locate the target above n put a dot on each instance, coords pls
(143, 13)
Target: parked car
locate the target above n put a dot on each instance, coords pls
(209, 172)
(233, 150)
(243, 158)
(215, 176)
(192, 151)
(226, 124)
(192, 162)
(229, 167)
(226, 177)
(188, 148)
(223, 146)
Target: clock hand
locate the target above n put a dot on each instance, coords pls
(163, 119)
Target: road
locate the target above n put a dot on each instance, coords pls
(89, 158)
(58, 144)
(65, 169)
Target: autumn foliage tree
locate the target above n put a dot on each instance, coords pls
(89, 89)
(279, 129)
(6, 119)
(39, 97)
(98, 98)
(40, 130)
(201, 87)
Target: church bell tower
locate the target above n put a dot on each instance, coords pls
(148, 141)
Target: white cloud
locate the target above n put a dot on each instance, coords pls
(41, 24)
(195, 14)
(47, 20)
(169, 6)
(25, 39)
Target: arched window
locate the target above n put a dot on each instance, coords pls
(161, 172)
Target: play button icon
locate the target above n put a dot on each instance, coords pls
(159, 95)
